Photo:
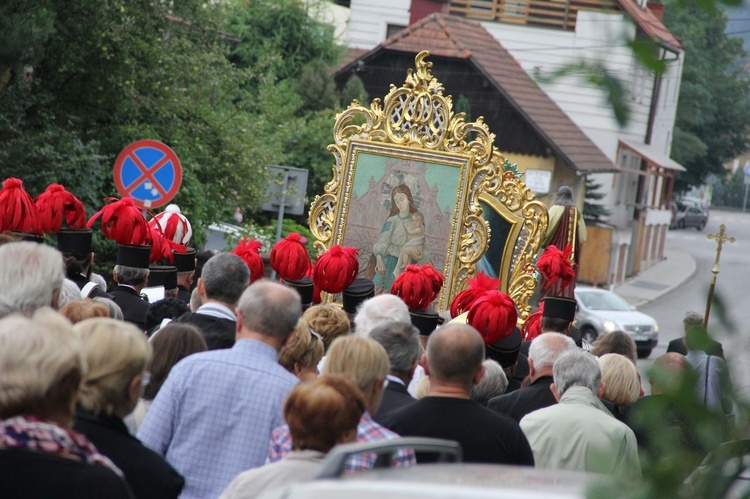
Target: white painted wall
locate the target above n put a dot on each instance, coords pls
(368, 20)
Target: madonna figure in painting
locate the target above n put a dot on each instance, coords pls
(401, 241)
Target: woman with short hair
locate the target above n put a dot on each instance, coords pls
(302, 351)
(117, 354)
(41, 368)
(622, 387)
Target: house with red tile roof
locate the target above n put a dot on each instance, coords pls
(566, 122)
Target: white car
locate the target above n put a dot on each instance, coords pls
(601, 311)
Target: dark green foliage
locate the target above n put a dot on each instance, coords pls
(593, 212)
(714, 109)
(354, 89)
(463, 106)
(731, 192)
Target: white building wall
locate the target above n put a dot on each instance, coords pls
(369, 20)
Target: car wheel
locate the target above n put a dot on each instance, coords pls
(701, 225)
(589, 334)
(644, 353)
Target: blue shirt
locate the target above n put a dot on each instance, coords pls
(214, 415)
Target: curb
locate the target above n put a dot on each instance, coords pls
(670, 287)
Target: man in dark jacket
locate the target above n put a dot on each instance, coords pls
(401, 343)
(544, 350)
(691, 319)
(224, 278)
(131, 274)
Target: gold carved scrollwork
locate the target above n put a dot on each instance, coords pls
(417, 116)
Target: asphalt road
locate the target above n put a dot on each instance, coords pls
(728, 320)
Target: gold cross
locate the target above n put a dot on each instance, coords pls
(720, 238)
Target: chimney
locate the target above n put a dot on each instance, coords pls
(423, 8)
(657, 9)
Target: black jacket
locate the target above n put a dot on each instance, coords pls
(41, 476)
(218, 332)
(678, 345)
(184, 295)
(521, 402)
(395, 396)
(81, 281)
(133, 307)
(147, 473)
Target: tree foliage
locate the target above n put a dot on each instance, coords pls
(714, 105)
(592, 211)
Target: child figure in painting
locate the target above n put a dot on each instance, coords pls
(413, 250)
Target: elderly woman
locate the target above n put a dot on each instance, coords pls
(79, 310)
(329, 321)
(116, 354)
(302, 351)
(493, 383)
(622, 387)
(321, 412)
(40, 373)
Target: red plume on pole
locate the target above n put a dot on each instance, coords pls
(123, 222)
(532, 326)
(494, 315)
(477, 287)
(56, 205)
(249, 250)
(436, 279)
(336, 269)
(554, 264)
(17, 209)
(414, 288)
(289, 258)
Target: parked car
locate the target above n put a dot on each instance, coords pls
(447, 479)
(689, 213)
(601, 311)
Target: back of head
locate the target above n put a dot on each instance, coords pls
(321, 411)
(30, 275)
(115, 352)
(41, 366)
(269, 308)
(692, 319)
(554, 325)
(168, 308)
(360, 359)
(130, 276)
(621, 383)
(225, 276)
(171, 344)
(493, 383)
(303, 349)
(76, 311)
(576, 367)
(696, 338)
(69, 292)
(401, 343)
(564, 195)
(616, 342)
(546, 348)
(115, 312)
(379, 309)
(667, 372)
(329, 321)
(455, 353)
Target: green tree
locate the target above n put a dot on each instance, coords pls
(592, 211)
(713, 109)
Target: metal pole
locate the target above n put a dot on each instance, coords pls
(744, 201)
(280, 218)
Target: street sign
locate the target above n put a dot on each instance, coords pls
(287, 185)
(746, 170)
(149, 172)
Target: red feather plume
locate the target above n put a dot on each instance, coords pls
(477, 287)
(289, 258)
(532, 326)
(161, 247)
(122, 221)
(436, 279)
(413, 287)
(56, 205)
(336, 269)
(249, 250)
(494, 315)
(555, 264)
(17, 209)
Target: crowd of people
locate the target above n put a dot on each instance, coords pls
(244, 383)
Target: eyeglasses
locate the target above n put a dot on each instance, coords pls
(145, 379)
(313, 338)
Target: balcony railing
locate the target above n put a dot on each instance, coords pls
(557, 14)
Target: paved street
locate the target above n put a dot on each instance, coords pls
(727, 324)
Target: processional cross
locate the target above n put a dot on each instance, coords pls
(720, 239)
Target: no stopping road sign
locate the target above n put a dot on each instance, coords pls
(149, 172)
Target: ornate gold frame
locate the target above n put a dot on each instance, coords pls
(417, 120)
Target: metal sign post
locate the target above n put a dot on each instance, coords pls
(746, 171)
(285, 194)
